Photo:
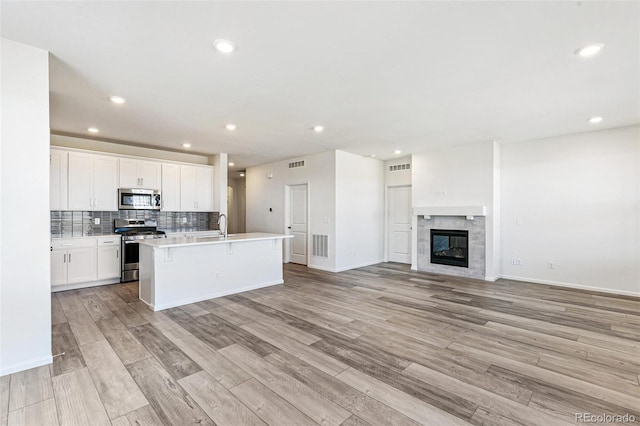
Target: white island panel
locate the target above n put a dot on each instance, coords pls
(179, 272)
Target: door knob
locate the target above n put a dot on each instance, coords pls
(288, 227)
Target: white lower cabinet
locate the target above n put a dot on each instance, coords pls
(83, 262)
(108, 258)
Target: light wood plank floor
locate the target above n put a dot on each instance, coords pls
(380, 345)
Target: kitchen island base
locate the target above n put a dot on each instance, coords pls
(179, 271)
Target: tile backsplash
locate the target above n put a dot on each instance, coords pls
(81, 223)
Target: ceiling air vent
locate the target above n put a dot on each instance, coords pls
(295, 164)
(399, 167)
(320, 245)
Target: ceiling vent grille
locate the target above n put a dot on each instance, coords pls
(320, 245)
(399, 167)
(295, 164)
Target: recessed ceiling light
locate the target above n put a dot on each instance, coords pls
(232, 164)
(230, 126)
(589, 50)
(318, 128)
(595, 120)
(186, 145)
(92, 130)
(397, 151)
(372, 156)
(224, 46)
(117, 99)
(241, 174)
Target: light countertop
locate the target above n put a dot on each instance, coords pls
(204, 240)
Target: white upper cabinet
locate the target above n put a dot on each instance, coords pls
(105, 183)
(82, 180)
(204, 188)
(139, 174)
(188, 190)
(196, 188)
(170, 187)
(93, 182)
(58, 161)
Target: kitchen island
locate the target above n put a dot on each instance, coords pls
(179, 271)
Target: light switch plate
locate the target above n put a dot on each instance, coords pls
(96, 221)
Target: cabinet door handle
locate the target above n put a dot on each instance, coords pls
(95, 202)
(141, 181)
(107, 242)
(64, 258)
(90, 202)
(117, 255)
(69, 257)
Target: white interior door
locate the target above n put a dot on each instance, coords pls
(399, 224)
(298, 223)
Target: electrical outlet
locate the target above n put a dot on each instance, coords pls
(217, 275)
(518, 221)
(184, 220)
(516, 261)
(96, 221)
(550, 265)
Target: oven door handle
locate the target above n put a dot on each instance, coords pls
(131, 242)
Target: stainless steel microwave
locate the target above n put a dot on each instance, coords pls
(139, 199)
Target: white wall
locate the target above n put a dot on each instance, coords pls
(220, 174)
(237, 210)
(398, 177)
(118, 148)
(359, 211)
(263, 194)
(460, 176)
(25, 288)
(578, 199)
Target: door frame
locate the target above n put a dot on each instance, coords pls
(287, 216)
(387, 209)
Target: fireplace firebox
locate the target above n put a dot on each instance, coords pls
(450, 247)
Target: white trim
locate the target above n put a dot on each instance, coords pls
(37, 362)
(569, 285)
(286, 246)
(212, 295)
(360, 265)
(75, 286)
(322, 268)
(450, 211)
(493, 278)
(386, 221)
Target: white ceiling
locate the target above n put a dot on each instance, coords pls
(378, 75)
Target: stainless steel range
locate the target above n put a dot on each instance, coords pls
(132, 231)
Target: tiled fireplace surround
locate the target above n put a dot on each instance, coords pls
(477, 237)
(81, 223)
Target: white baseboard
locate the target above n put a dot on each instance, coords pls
(493, 278)
(26, 365)
(359, 265)
(75, 286)
(322, 268)
(212, 296)
(570, 285)
(346, 268)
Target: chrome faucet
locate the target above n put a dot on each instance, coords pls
(223, 233)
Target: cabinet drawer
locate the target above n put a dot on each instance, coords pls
(113, 240)
(74, 243)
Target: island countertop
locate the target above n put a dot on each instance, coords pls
(196, 241)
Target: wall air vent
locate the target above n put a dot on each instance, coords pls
(295, 164)
(320, 245)
(399, 167)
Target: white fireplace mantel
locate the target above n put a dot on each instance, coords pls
(450, 211)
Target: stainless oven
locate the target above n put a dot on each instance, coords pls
(133, 231)
(139, 199)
